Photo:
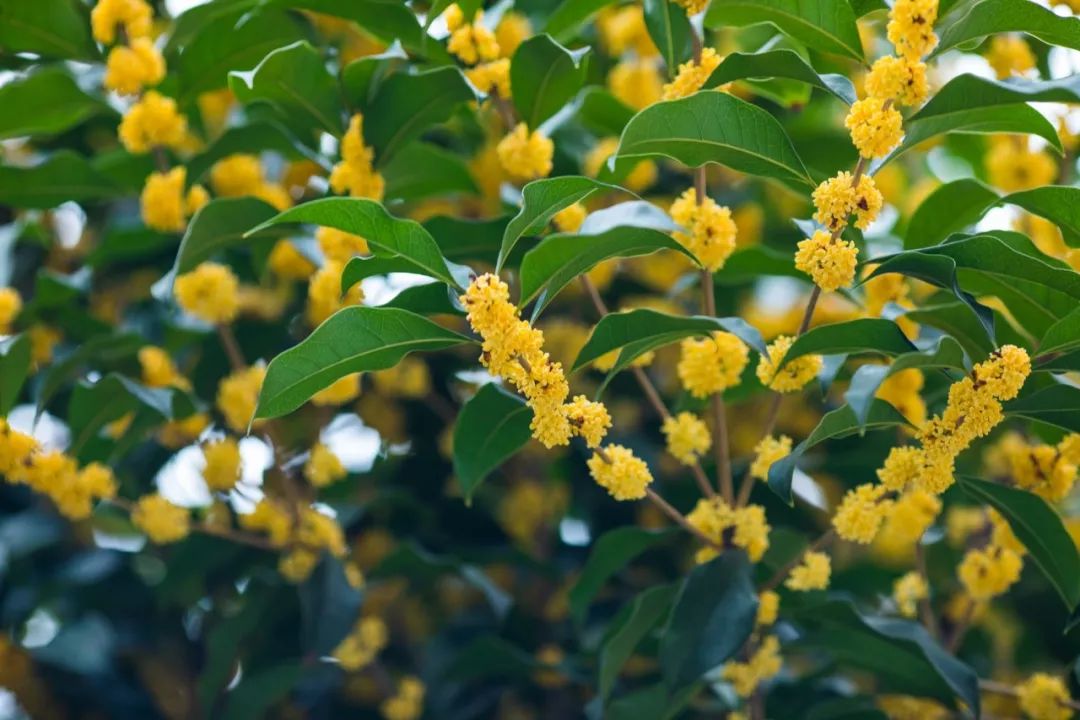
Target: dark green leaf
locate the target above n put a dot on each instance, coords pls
(64, 176)
(950, 208)
(1039, 528)
(361, 78)
(329, 607)
(748, 263)
(221, 224)
(93, 405)
(637, 620)
(431, 299)
(1018, 118)
(355, 339)
(45, 102)
(570, 14)
(1058, 405)
(960, 322)
(492, 426)
(1056, 203)
(670, 31)
(852, 336)
(967, 91)
(1063, 335)
(360, 268)
(491, 657)
(464, 239)
(602, 112)
(827, 25)
(781, 63)
(713, 127)
(51, 28)
(712, 618)
(544, 76)
(255, 694)
(256, 138)
(99, 352)
(388, 20)
(990, 17)
(413, 562)
(14, 365)
(422, 170)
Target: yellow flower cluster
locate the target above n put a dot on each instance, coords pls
(828, 260)
(407, 703)
(712, 364)
(688, 437)
(222, 468)
(840, 197)
(363, 644)
(356, 174)
(912, 514)
(153, 121)
(324, 293)
(623, 28)
(513, 350)
(901, 79)
(525, 156)
(339, 392)
(639, 179)
(692, 7)
(241, 174)
(901, 390)
(1046, 470)
(287, 262)
(1009, 55)
(134, 16)
(620, 472)
(768, 450)
(491, 76)
(875, 125)
(159, 370)
(908, 590)
(162, 521)
(768, 608)
(470, 42)
(315, 532)
(270, 518)
(791, 376)
(209, 292)
(1012, 166)
(323, 467)
(570, 218)
(10, 307)
(989, 571)
(762, 665)
(691, 76)
(712, 231)
(1044, 697)
(129, 69)
(636, 82)
(164, 205)
(861, 513)
(911, 27)
(237, 395)
(812, 573)
(339, 245)
(531, 506)
(408, 379)
(743, 527)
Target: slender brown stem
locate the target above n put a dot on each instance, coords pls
(811, 305)
(746, 485)
(161, 160)
(961, 628)
(505, 110)
(680, 519)
(998, 688)
(231, 347)
(721, 449)
(650, 392)
(926, 613)
(827, 537)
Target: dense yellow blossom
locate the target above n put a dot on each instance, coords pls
(989, 572)
(339, 392)
(839, 198)
(407, 703)
(911, 27)
(165, 207)
(1046, 470)
(908, 590)
(324, 293)
(1012, 167)
(623, 28)
(691, 76)
(43, 340)
(363, 644)
(209, 292)
(906, 707)
(222, 468)
(472, 42)
(1044, 697)
(829, 261)
(270, 518)
(768, 608)
(340, 246)
(153, 121)
(768, 450)
(525, 156)
(570, 218)
(1010, 55)
(129, 69)
(861, 513)
(901, 390)
(640, 178)
(620, 472)
(898, 78)
(687, 436)
(792, 375)
(409, 378)
(876, 127)
(636, 82)
(237, 395)
(712, 364)
(762, 665)
(811, 574)
(287, 262)
(162, 521)
(588, 419)
(323, 467)
(711, 236)
(715, 519)
(356, 174)
(10, 307)
(236, 175)
(513, 29)
(491, 77)
(135, 16)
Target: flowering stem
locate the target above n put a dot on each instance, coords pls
(811, 305)
(680, 519)
(236, 536)
(926, 613)
(231, 347)
(998, 688)
(827, 537)
(746, 486)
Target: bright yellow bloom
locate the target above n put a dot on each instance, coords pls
(1010, 55)
(829, 261)
(162, 200)
(363, 644)
(409, 378)
(287, 262)
(1045, 470)
(905, 707)
(989, 572)
(209, 292)
(153, 121)
(875, 128)
(162, 521)
(524, 155)
(911, 27)
(812, 574)
(323, 467)
(270, 518)
(692, 76)
(901, 390)
(763, 664)
(1012, 167)
(1044, 697)
(10, 307)
(134, 15)
(175, 434)
(713, 364)
(908, 590)
(636, 82)
(791, 376)
(712, 232)
(688, 437)
(766, 452)
(491, 77)
(623, 29)
(570, 218)
(324, 293)
(715, 519)
(408, 703)
(339, 392)
(692, 7)
(236, 175)
(898, 78)
(590, 420)
(472, 43)
(861, 513)
(340, 246)
(237, 396)
(1003, 373)
(222, 468)
(129, 69)
(356, 174)
(839, 198)
(639, 179)
(768, 608)
(43, 340)
(512, 30)
(623, 475)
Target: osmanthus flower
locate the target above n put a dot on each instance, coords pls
(712, 232)
(901, 390)
(513, 29)
(407, 703)
(1044, 697)
(131, 68)
(688, 437)
(408, 379)
(829, 261)
(1012, 166)
(765, 663)
(356, 174)
(636, 82)
(10, 306)
(159, 370)
(363, 643)
(1046, 470)
(911, 515)
(271, 518)
(288, 263)
(692, 75)
(324, 296)
(339, 245)
(570, 218)
(743, 527)
(908, 590)
(1010, 55)
(988, 572)
(768, 608)
(792, 375)
(623, 29)
(470, 41)
(209, 293)
(900, 79)
(617, 470)
(314, 533)
(589, 419)
(491, 77)
(165, 206)
(323, 467)
(162, 521)
(134, 16)
(236, 175)
(911, 27)
(840, 197)
(812, 573)
(525, 155)
(876, 127)
(861, 513)
(222, 464)
(711, 364)
(768, 450)
(153, 121)
(643, 175)
(339, 392)
(237, 396)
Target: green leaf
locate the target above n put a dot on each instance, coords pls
(899, 652)
(541, 200)
(644, 330)
(747, 264)
(838, 423)
(1063, 335)
(602, 112)
(99, 352)
(369, 219)
(1057, 405)
(490, 657)
(714, 127)
(422, 170)
(959, 321)
(255, 694)
(1017, 118)
(355, 339)
(431, 299)
(51, 28)
(626, 632)
(563, 22)
(64, 176)
(611, 552)
(712, 618)
(255, 138)
(466, 240)
(781, 63)
(852, 336)
(947, 354)
(406, 105)
(361, 268)
(295, 83)
(967, 91)
(220, 224)
(45, 102)
(415, 563)
(1039, 528)
(388, 20)
(950, 208)
(361, 78)
(1057, 203)
(329, 607)
(670, 31)
(560, 258)
(544, 76)
(827, 25)
(492, 426)
(93, 405)
(990, 17)
(14, 366)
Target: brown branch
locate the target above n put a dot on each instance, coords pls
(680, 519)
(231, 347)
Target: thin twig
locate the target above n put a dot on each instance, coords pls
(961, 628)
(746, 486)
(680, 519)
(231, 347)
